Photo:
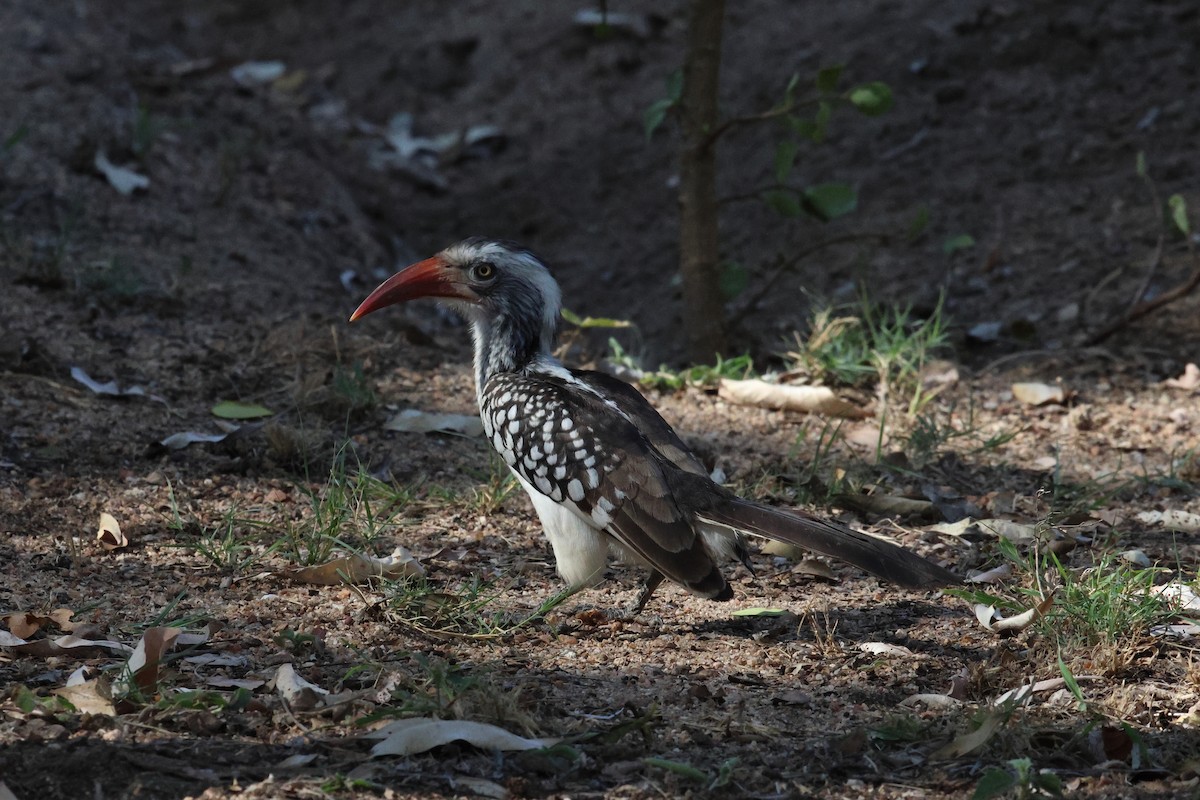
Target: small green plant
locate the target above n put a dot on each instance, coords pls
(935, 427)
(498, 486)
(228, 545)
(28, 702)
(713, 780)
(350, 512)
(42, 259)
(1066, 497)
(352, 385)
(341, 783)
(664, 378)
(1099, 616)
(811, 485)
(145, 131)
(204, 699)
(870, 343)
(1020, 780)
(115, 278)
(900, 728)
(168, 617)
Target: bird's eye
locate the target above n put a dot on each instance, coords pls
(483, 271)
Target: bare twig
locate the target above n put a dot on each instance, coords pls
(1137, 307)
(783, 265)
(773, 113)
(1147, 306)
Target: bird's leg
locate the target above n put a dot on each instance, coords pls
(652, 581)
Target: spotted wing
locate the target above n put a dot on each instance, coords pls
(577, 446)
(649, 422)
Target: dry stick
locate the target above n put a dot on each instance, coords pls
(785, 264)
(1142, 309)
(773, 113)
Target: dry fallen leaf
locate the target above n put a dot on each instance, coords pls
(972, 740)
(806, 564)
(124, 180)
(481, 787)
(406, 737)
(930, 701)
(1173, 519)
(109, 535)
(990, 618)
(1179, 595)
(89, 697)
(413, 420)
(141, 670)
(1038, 394)
(297, 692)
(885, 649)
(1025, 691)
(993, 575)
(257, 73)
(886, 505)
(1136, 557)
(223, 682)
(69, 645)
(1189, 380)
(1016, 532)
(785, 397)
(24, 624)
(178, 441)
(360, 568)
(111, 388)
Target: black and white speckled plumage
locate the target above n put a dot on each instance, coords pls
(605, 472)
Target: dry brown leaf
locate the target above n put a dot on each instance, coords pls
(481, 787)
(110, 536)
(297, 692)
(1038, 394)
(885, 649)
(1136, 557)
(972, 740)
(1179, 595)
(414, 420)
(89, 697)
(990, 619)
(69, 645)
(815, 567)
(1016, 532)
(1188, 381)
(26, 623)
(360, 568)
(782, 397)
(886, 505)
(141, 670)
(1025, 691)
(993, 575)
(410, 736)
(930, 701)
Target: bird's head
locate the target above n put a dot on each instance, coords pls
(504, 290)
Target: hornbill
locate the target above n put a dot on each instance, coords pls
(605, 472)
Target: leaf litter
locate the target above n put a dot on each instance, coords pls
(647, 671)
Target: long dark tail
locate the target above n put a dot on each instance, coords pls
(878, 557)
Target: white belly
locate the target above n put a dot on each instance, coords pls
(580, 548)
